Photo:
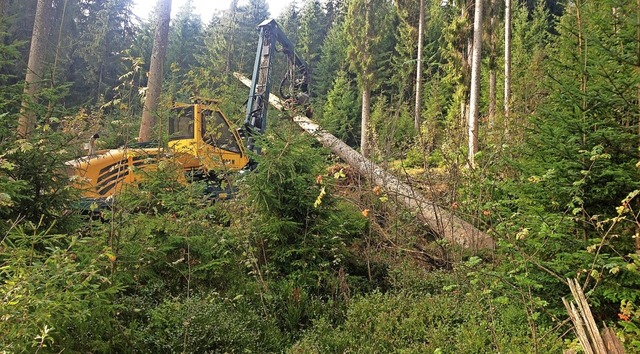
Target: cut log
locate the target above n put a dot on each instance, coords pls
(445, 223)
(591, 340)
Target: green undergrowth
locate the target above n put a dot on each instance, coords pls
(294, 263)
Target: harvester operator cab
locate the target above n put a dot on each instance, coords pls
(202, 137)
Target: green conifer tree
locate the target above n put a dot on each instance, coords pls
(312, 33)
(340, 112)
(365, 27)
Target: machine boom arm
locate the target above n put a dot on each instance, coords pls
(298, 75)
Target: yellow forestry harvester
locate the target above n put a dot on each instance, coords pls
(201, 139)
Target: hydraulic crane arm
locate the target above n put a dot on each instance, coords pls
(297, 75)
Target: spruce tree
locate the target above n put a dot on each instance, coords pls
(364, 28)
(312, 33)
(250, 16)
(333, 58)
(185, 43)
(585, 130)
(340, 112)
(101, 32)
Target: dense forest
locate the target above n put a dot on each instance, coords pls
(520, 117)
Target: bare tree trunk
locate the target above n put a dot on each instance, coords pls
(154, 86)
(418, 107)
(366, 80)
(467, 54)
(365, 118)
(35, 66)
(474, 95)
(492, 64)
(441, 221)
(638, 93)
(507, 58)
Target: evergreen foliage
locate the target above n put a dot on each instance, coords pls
(104, 30)
(340, 115)
(312, 33)
(308, 258)
(186, 41)
(441, 313)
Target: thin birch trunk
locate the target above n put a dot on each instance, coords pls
(507, 58)
(474, 95)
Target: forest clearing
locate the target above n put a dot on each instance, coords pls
(362, 176)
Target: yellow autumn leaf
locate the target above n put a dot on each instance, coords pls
(319, 199)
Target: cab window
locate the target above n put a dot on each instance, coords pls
(216, 131)
(181, 123)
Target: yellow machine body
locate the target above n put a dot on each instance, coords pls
(201, 141)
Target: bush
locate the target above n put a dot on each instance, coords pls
(456, 318)
(207, 324)
(34, 183)
(54, 293)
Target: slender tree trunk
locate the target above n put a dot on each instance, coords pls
(474, 96)
(507, 58)
(582, 54)
(154, 86)
(638, 95)
(418, 107)
(35, 66)
(492, 64)
(467, 54)
(365, 117)
(367, 72)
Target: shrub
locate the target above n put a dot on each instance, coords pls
(207, 324)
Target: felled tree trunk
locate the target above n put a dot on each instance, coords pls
(441, 221)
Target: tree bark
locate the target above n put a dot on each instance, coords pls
(492, 64)
(441, 221)
(507, 58)
(474, 95)
(365, 117)
(364, 22)
(366, 80)
(418, 106)
(35, 66)
(156, 69)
